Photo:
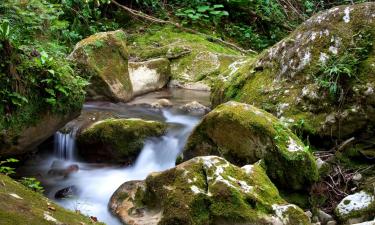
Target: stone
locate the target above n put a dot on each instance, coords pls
(366, 223)
(356, 208)
(57, 170)
(162, 103)
(284, 79)
(243, 134)
(204, 190)
(324, 217)
(117, 140)
(331, 222)
(103, 57)
(357, 177)
(194, 108)
(193, 58)
(31, 136)
(149, 75)
(67, 192)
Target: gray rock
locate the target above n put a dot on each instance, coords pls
(324, 217)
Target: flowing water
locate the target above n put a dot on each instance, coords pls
(97, 182)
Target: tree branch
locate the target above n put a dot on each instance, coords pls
(157, 20)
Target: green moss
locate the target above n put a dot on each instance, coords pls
(211, 191)
(32, 207)
(117, 139)
(255, 134)
(103, 58)
(193, 57)
(279, 76)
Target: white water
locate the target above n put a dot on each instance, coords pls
(96, 185)
(97, 182)
(65, 144)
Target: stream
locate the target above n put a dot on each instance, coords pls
(97, 182)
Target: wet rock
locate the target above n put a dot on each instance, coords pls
(356, 208)
(194, 108)
(162, 103)
(204, 190)
(67, 192)
(243, 134)
(117, 140)
(61, 171)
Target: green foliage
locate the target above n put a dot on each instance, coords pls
(335, 71)
(6, 169)
(32, 184)
(84, 18)
(339, 70)
(35, 76)
(202, 14)
(4, 31)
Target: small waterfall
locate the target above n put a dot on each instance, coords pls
(65, 144)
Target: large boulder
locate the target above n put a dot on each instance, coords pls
(103, 57)
(322, 76)
(204, 190)
(117, 140)
(20, 205)
(195, 61)
(356, 208)
(243, 134)
(149, 75)
(28, 138)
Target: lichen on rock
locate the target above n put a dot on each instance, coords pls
(205, 190)
(243, 134)
(357, 207)
(292, 73)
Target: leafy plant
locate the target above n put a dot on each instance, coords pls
(335, 71)
(4, 31)
(6, 169)
(202, 14)
(32, 184)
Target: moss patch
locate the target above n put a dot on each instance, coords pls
(287, 79)
(254, 134)
(193, 57)
(210, 190)
(31, 207)
(117, 140)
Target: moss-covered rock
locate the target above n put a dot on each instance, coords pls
(103, 57)
(193, 57)
(28, 138)
(297, 78)
(19, 205)
(205, 190)
(117, 140)
(243, 134)
(149, 75)
(356, 208)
